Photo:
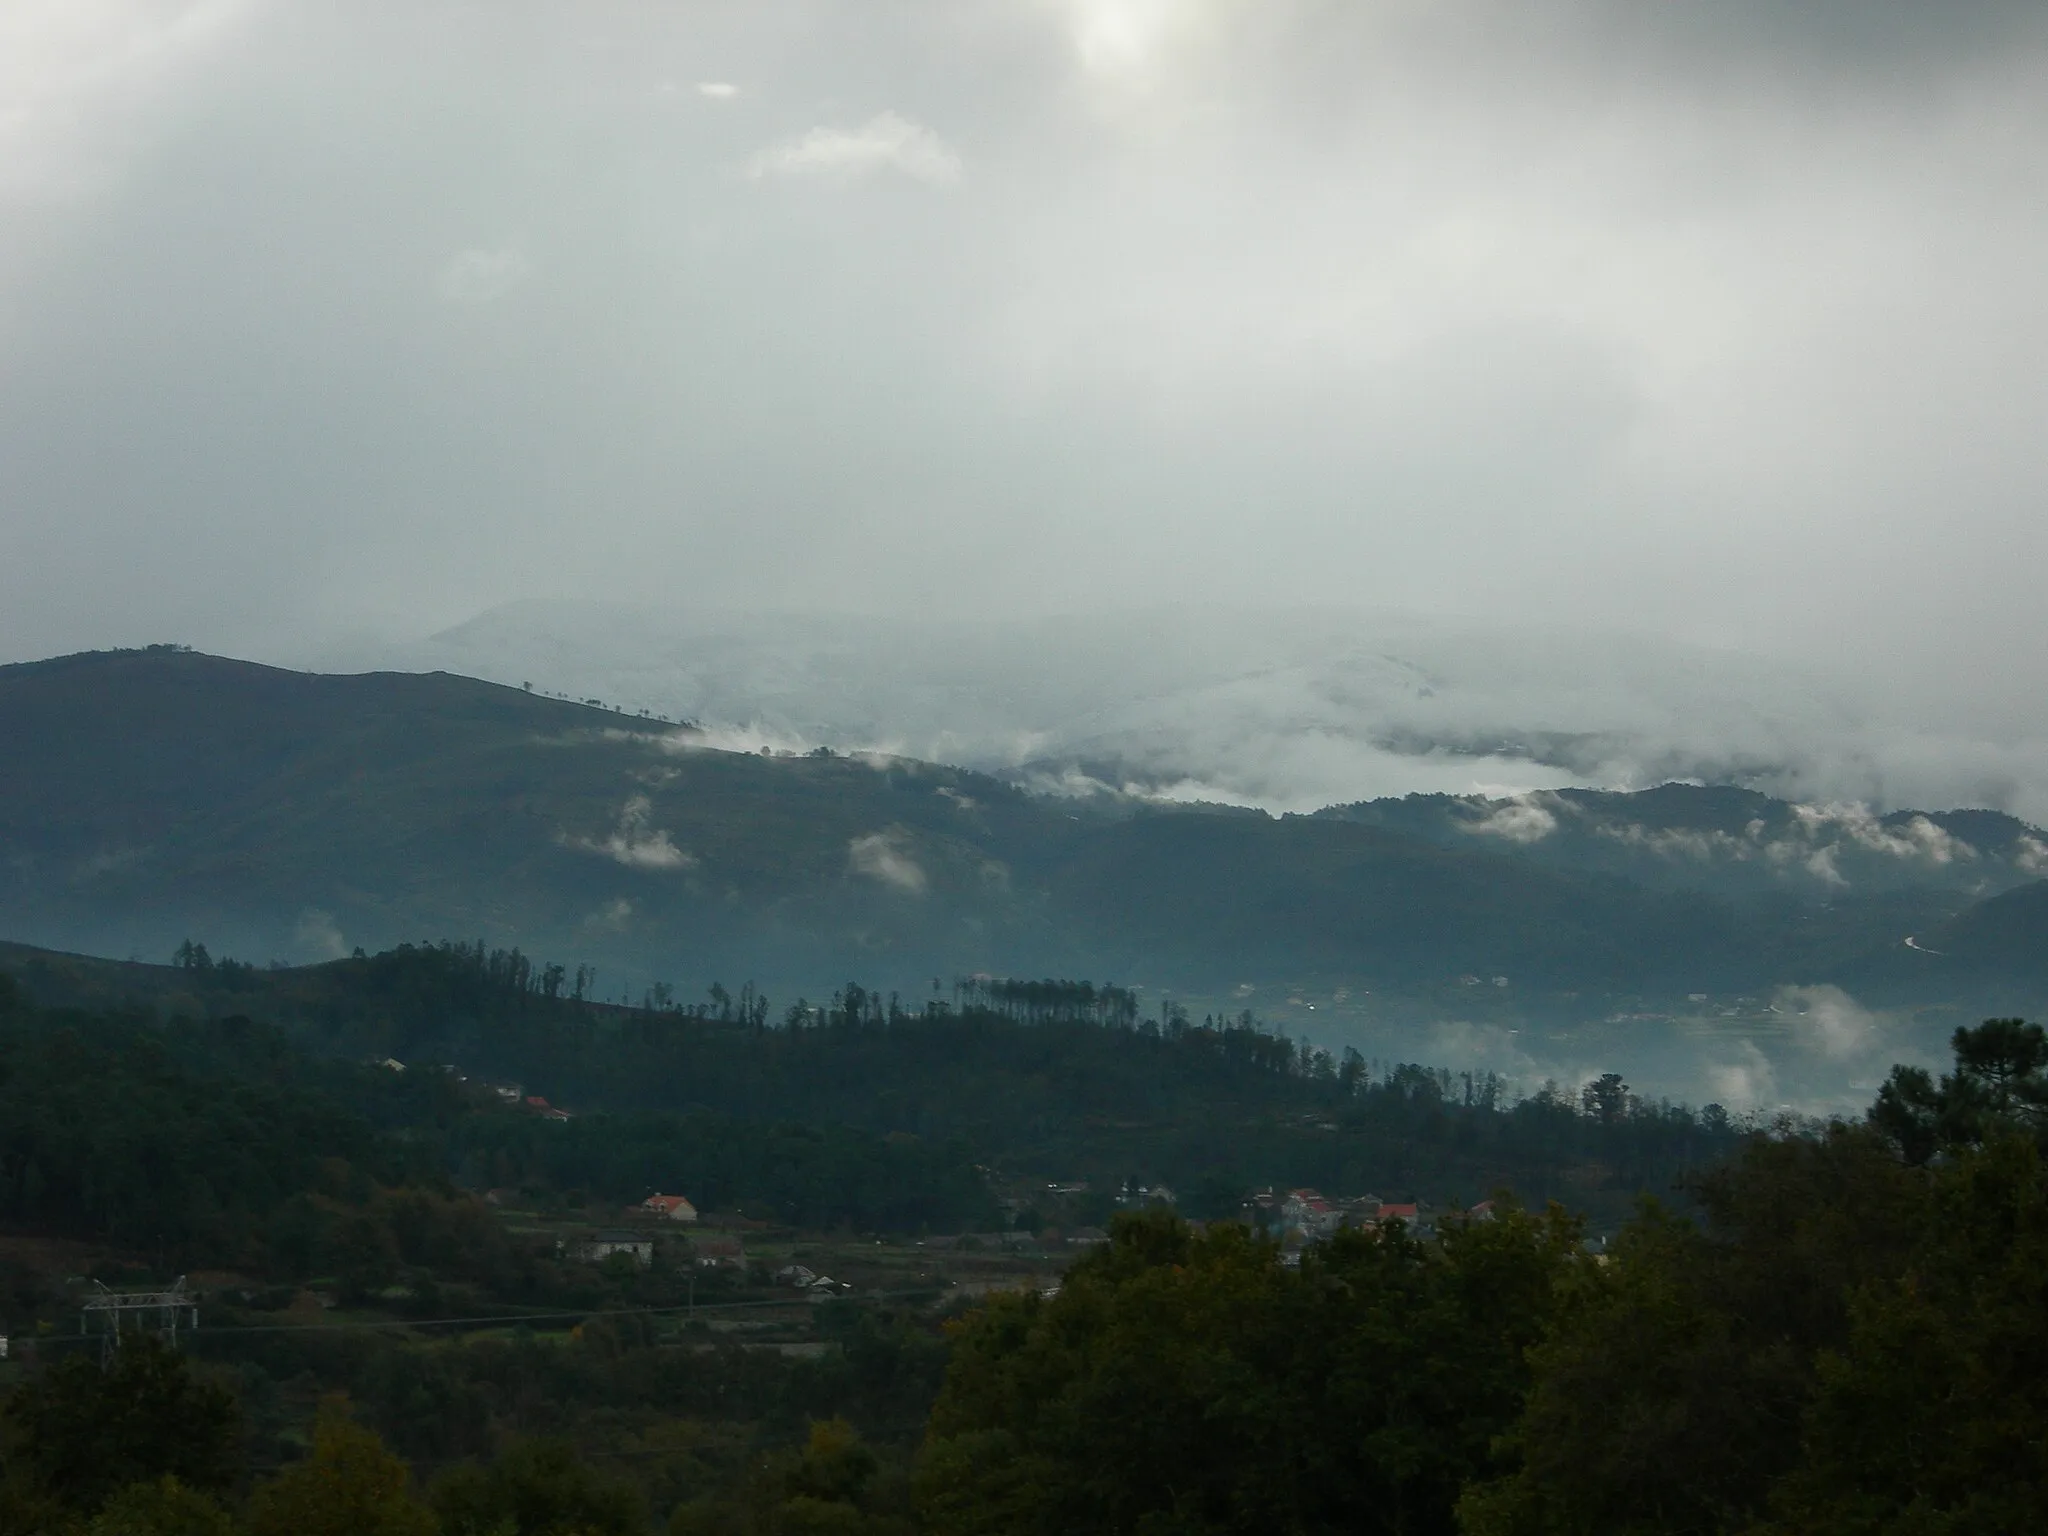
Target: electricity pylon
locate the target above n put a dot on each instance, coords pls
(173, 1308)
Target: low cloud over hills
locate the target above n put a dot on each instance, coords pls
(1283, 709)
(274, 813)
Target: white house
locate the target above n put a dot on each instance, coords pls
(596, 1249)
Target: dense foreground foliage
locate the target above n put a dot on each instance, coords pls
(1849, 1340)
(1184, 1382)
(1853, 1337)
(145, 1448)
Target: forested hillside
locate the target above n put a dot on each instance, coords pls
(151, 796)
(251, 1127)
(866, 1110)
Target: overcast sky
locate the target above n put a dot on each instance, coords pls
(1721, 320)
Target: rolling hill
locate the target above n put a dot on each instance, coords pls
(150, 796)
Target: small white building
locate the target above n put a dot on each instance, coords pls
(669, 1207)
(601, 1246)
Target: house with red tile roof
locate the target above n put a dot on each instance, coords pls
(669, 1207)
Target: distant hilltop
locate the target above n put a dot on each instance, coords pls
(150, 796)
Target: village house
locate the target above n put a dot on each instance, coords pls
(1307, 1211)
(1418, 1221)
(1261, 1209)
(718, 1250)
(599, 1246)
(669, 1207)
(1139, 1196)
(1360, 1211)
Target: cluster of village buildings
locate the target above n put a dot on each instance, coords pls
(1305, 1215)
(708, 1250)
(509, 1093)
(1295, 1217)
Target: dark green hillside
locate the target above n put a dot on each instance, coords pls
(150, 796)
(1354, 900)
(1053, 1081)
(2007, 935)
(225, 1141)
(1733, 842)
(1997, 948)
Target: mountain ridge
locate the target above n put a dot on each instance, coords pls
(156, 795)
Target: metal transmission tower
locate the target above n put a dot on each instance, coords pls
(113, 1308)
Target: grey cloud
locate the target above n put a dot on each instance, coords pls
(615, 916)
(1745, 1079)
(319, 937)
(885, 141)
(1826, 1057)
(886, 857)
(1291, 709)
(1518, 821)
(1721, 323)
(636, 842)
(1832, 1022)
(483, 276)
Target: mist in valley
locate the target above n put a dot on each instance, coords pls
(1284, 708)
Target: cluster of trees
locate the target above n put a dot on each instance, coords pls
(595, 1435)
(147, 1448)
(225, 1143)
(1210, 1106)
(105, 1131)
(1050, 1078)
(1064, 1077)
(221, 973)
(219, 1144)
(1851, 1337)
(1041, 1002)
(1193, 1383)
